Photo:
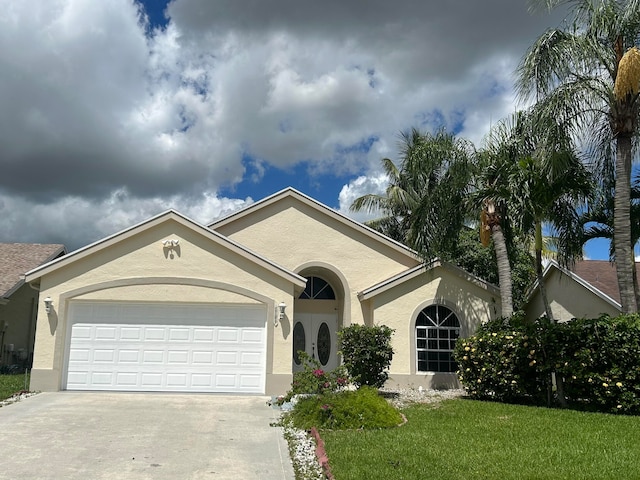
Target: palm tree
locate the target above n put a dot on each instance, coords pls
(490, 197)
(598, 221)
(554, 184)
(534, 176)
(587, 75)
(423, 205)
(396, 205)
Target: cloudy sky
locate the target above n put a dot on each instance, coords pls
(115, 110)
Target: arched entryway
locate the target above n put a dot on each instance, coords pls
(317, 318)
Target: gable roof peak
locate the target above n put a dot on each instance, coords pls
(291, 192)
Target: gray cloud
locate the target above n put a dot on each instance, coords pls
(103, 119)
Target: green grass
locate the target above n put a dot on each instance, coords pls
(10, 384)
(465, 439)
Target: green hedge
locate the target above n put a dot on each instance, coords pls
(512, 360)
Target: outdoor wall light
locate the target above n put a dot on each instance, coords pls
(280, 313)
(47, 304)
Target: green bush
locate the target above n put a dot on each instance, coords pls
(601, 363)
(598, 361)
(356, 409)
(367, 353)
(504, 361)
(312, 379)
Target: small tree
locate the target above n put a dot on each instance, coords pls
(367, 353)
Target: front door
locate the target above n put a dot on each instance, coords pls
(315, 333)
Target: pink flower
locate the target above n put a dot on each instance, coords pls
(318, 373)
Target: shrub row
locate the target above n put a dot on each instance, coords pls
(596, 360)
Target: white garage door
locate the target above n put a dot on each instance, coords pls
(166, 347)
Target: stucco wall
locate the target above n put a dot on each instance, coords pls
(296, 235)
(20, 315)
(399, 307)
(139, 269)
(568, 299)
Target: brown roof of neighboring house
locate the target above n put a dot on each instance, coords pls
(601, 274)
(18, 258)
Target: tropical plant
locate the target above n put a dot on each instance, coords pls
(586, 75)
(597, 221)
(546, 183)
(423, 205)
(480, 260)
(490, 198)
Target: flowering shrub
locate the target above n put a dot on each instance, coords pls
(504, 361)
(314, 380)
(512, 360)
(601, 363)
(367, 353)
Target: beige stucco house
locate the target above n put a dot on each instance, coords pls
(588, 290)
(172, 305)
(18, 301)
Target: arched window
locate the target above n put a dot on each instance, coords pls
(437, 329)
(317, 289)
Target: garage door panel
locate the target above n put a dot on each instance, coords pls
(217, 349)
(178, 357)
(250, 359)
(104, 355)
(251, 336)
(179, 334)
(203, 334)
(79, 354)
(102, 378)
(156, 334)
(128, 356)
(131, 333)
(227, 335)
(203, 358)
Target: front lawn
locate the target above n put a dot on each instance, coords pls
(484, 440)
(10, 384)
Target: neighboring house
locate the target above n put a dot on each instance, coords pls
(172, 305)
(588, 290)
(18, 301)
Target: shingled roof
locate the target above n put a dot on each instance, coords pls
(601, 274)
(18, 258)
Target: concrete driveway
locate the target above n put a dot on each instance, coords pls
(79, 435)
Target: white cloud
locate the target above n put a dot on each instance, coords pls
(90, 220)
(363, 185)
(103, 119)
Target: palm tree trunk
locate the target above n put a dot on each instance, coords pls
(541, 285)
(504, 269)
(622, 225)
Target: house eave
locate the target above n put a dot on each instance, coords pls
(411, 273)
